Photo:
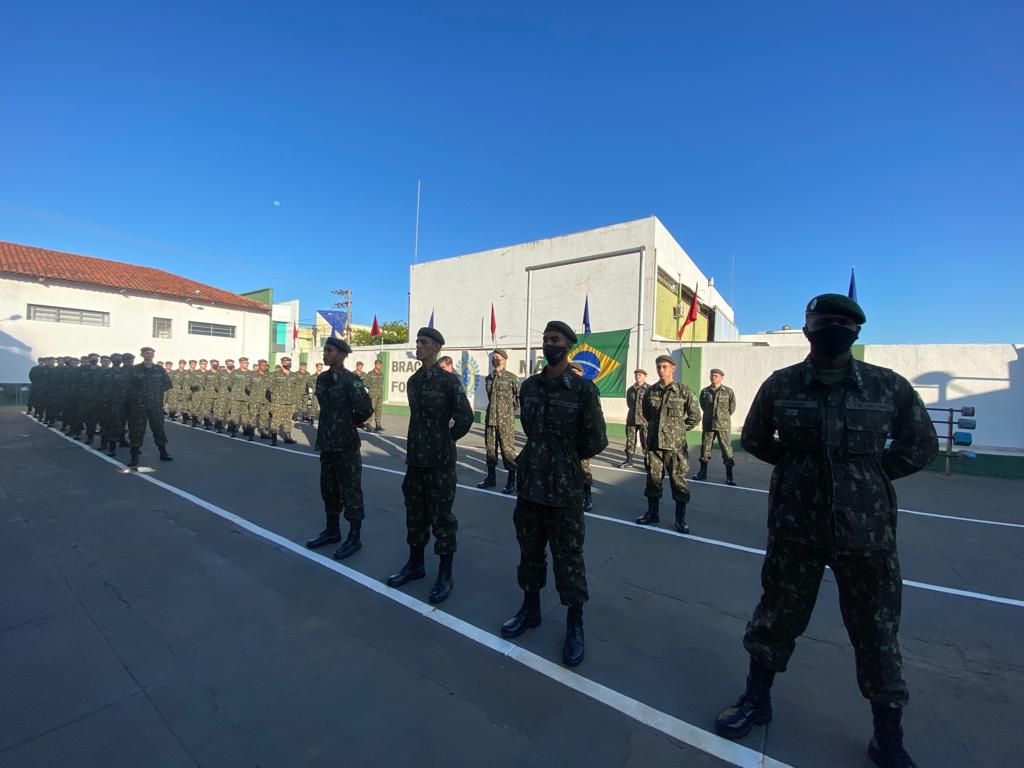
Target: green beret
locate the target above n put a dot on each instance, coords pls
(563, 328)
(340, 344)
(836, 304)
(719, 371)
(640, 370)
(665, 359)
(431, 333)
(502, 352)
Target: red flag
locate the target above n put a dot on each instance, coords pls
(494, 323)
(295, 331)
(375, 331)
(691, 316)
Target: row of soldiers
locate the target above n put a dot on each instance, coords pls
(247, 402)
(102, 395)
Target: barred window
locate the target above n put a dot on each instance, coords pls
(161, 328)
(211, 329)
(67, 315)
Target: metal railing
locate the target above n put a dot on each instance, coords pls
(962, 437)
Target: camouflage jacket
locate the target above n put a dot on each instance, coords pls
(281, 387)
(502, 399)
(148, 384)
(832, 483)
(178, 381)
(120, 387)
(344, 403)
(635, 405)
(435, 398)
(374, 383)
(241, 385)
(718, 405)
(301, 382)
(670, 412)
(564, 423)
(225, 382)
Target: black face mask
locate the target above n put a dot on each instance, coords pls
(554, 354)
(833, 340)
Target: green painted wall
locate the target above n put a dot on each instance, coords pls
(668, 326)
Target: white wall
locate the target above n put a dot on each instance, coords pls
(131, 327)
(677, 263)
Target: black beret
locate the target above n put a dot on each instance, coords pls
(339, 343)
(665, 359)
(563, 328)
(431, 333)
(836, 304)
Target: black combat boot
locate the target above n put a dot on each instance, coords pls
(754, 707)
(728, 473)
(133, 462)
(886, 747)
(123, 443)
(572, 649)
(207, 424)
(526, 618)
(329, 535)
(219, 427)
(443, 586)
(628, 462)
(588, 501)
(510, 484)
(89, 437)
(288, 440)
(273, 439)
(353, 543)
(195, 422)
(412, 570)
(491, 480)
(164, 455)
(681, 525)
(111, 447)
(232, 430)
(650, 517)
(702, 474)
(252, 434)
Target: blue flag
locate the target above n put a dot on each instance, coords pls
(430, 322)
(586, 314)
(852, 293)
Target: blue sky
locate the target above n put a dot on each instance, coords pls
(802, 138)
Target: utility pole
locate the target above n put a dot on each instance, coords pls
(345, 303)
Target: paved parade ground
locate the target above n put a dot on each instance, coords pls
(171, 617)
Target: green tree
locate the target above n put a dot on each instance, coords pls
(392, 331)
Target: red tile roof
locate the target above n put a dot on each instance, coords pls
(27, 260)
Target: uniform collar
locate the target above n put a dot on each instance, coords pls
(854, 373)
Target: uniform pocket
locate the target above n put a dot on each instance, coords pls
(798, 423)
(866, 429)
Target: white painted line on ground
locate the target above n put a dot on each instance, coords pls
(680, 730)
(654, 529)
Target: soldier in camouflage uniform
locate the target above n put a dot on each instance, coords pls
(90, 397)
(73, 420)
(170, 396)
(562, 418)
(33, 379)
(436, 398)
(635, 422)
(149, 382)
(197, 387)
(239, 406)
(374, 383)
(671, 410)
(281, 387)
(500, 423)
(314, 405)
(259, 413)
(108, 436)
(344, 404)
(717, 403)
(222, 404)
(588, 478)
(211, 394)
(832, 502)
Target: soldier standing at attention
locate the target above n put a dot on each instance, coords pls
(671, 410)
(314, 404)
(562, 418)
(188, 393)
(500, 424)
(374, 383)
(260, 399)
(436, 398)
(344, 404)
(302, 380)
(717, 403)
(832, 503)
(635, 422)
(281, 386)
(170, 396)
(109, 423)
(588, 477)
(238, 411)
(199, 392)
(33, 392)
(145, 404)
(212, 394)
(359, 370)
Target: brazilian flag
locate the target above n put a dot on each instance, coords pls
(603, 358)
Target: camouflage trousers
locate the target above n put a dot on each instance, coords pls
(707, 441)
(378, 407)
(676, 464)
(539, 526)
(281, 417)
(631, 434)
(588, 476)
(238, 414)
(314, 409)
(870, 592)
(171, 401)
(341, 484)
(429, 494)
(138, 417)
(503, 438)
(115, 422)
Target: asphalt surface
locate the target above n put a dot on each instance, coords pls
(175, 623)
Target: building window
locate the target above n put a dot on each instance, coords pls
(211, 329)
(67, 315)
(280, 337)
(161, 328)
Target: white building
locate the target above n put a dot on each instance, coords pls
(54, 303)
